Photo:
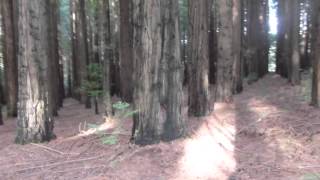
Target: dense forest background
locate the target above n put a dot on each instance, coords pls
(157, 70)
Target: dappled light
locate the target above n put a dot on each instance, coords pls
(160, 89)
(210, 152)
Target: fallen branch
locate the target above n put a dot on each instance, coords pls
(49, 149)
(309, 167)
(60, 163)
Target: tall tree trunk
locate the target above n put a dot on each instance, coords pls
(199, 96)
(212, 42)
(174, 125)
(305, 39)
(126, 61)
(34, 121)
(315, 100)
(294, 61)
(80, 50)
(54, 71)
(156, 40)
(10, 58)
(236, 43)
(105, 52)
(1, 120)
(75, 63)
(226, 59)
(263, 38)
(281, 67)
(258, 39)
(147, 56)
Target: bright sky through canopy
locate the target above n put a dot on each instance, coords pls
(273, 20)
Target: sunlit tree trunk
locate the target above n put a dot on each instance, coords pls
(34, 121)
(226, 59)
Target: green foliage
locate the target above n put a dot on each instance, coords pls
(272, 52)
(311, 176)
(109, 140)
(64, 27)
(123, 111)
(93, 85)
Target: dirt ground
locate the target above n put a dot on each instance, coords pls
(268, 132)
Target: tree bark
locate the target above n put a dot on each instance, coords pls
(199, 97)
(213, 42)
(147, 55)
(174, 125)
(126, 61)
(305, 39)
(54, 70)
(105, 52)
(294, 60)
(236, 43)
(35, 123)
(263, 38)
(258, 39)
(1, 120)
(315, 98)
(281, 67)
(81, 57)
(226, 59)
(157, 40)
(74, 70)
(10, 58)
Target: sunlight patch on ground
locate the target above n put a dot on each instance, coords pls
(210, 154)
(87, 129)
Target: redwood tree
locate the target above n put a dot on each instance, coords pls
(10, 57)
(226, 59)
(315, 101)
(236, 47)
(199, 96)
(126, 60)
(105, 51)
(156, 40)
(294, 59)
(35, 123)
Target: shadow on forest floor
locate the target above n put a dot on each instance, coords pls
(269, 132)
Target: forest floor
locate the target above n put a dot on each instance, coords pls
(268, 132)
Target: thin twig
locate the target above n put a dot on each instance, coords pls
(48, 148)
(309, 167)
(61, 163)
